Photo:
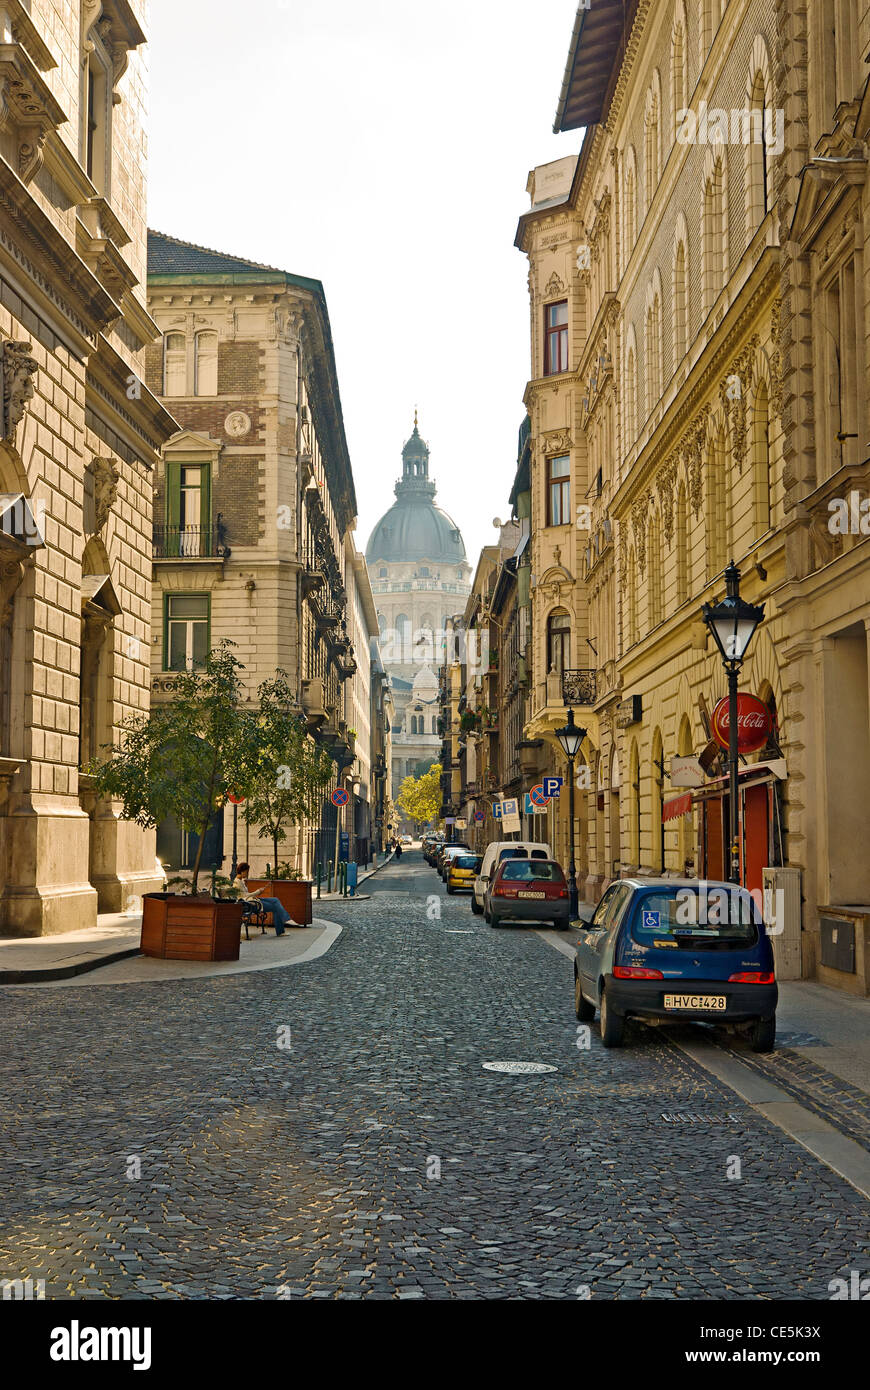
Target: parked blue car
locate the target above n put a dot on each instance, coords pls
(677, 950)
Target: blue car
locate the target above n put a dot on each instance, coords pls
(677, 950)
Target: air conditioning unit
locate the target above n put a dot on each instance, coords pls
(781, 910)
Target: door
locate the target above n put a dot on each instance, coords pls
(588, 947)
(756, 835)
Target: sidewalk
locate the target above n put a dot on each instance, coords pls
(358, 896)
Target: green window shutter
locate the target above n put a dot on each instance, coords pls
(173, 493)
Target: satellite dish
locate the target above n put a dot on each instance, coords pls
(497, 522)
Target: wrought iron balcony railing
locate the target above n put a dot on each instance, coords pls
(191, 542)
(579, 687)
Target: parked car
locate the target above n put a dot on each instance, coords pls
(677, 950)
(527, 890)
(447, 853)
(494, 854)
(430, 854)
(461, 871)
(407, 839)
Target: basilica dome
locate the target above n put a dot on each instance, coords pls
(414, 528)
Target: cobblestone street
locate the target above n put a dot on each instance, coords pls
(375, 1157)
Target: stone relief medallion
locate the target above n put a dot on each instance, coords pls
(237, 424)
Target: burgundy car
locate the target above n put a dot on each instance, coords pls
(527, 890)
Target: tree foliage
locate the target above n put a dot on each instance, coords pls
(420, 797)
(287, 772)
(182, 758)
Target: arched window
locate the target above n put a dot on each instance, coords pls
(718, 529)
(653, 349)
(761, 459)
(629, 186)
(679, 66)
(206, 364)
(656, 789)
(174, 364)
(634, 805)
(680, 292)
(652, 139)
(654, 563)
(758, 167)
(403, 637)
(682, 546)
(382, 573)
(714, 229)
(434, 723)
(631, 601)
(631, 391)
(559, 641)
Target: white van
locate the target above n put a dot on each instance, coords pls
(492, 857)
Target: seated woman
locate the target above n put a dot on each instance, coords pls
(280, 915)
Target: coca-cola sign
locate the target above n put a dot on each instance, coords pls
(754, 723)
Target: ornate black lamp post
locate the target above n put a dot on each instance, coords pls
(733, 623)
(570, 737)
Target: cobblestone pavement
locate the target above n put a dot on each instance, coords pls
(376, 1157)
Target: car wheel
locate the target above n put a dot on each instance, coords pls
(582, 1008)
(762, 1035)
(475, 906)
(612, 1026)
(560, 924)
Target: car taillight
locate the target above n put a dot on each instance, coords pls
(562, 893)
(501, 890)
(636, 972)
(753, 977)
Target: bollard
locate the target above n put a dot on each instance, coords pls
(318, 874)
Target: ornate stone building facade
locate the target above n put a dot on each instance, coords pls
(419, 574)
(254, 513)
(699, 349)
(79, 439)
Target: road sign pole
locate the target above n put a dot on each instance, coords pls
(337, 837)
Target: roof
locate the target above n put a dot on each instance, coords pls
(167, 255)
(594, 56)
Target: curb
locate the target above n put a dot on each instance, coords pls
(64, 972)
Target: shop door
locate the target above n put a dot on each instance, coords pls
(714, 838)
(756, 835)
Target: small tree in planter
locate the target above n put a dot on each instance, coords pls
(182, 758)
(288, 771)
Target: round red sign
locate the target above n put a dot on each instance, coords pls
(754, 723)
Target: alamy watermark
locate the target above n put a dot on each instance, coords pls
(739, 126)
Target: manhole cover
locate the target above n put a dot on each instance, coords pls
(517, 1068)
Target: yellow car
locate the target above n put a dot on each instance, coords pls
(462, 872)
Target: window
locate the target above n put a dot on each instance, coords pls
(653, 350)
(559, 491)
(682, 538)
(188, 509)
(434, 724)
(187, 632)
(654, 560)
(714, 225)
(761, 459)
(174, 364)
(680, 297)
(524, 871)
(679, 66)
(631, 395)
(559, 641)
(206, 364)
(718, 529)
(556, 338)
(96, 109)
(652, 148)
(630, 200)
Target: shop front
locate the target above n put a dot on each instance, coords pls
(762, 834)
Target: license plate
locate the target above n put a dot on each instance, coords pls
(531, 895)
(714, 1002)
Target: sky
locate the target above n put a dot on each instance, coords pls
(382, 148)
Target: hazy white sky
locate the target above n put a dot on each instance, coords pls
(382, 148)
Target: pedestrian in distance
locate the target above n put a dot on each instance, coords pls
(280, 915)
(398, 849)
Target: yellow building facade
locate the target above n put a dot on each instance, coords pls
(661, 416)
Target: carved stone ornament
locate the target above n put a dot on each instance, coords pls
(554, 286)
(776, 357)
(557, 442)
(18, 371)
(105, 479)
(666, 483)
(733, 393)
(692, 447)
(237, 424)
(31, 153)
(639, 514)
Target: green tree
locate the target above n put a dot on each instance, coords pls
(182, 758)
(289, 772)
(420, 797)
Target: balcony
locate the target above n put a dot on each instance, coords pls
(552, 697)
(579, 687)
(191, 542)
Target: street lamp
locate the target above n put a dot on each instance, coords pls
(733, 623)
(570, 737)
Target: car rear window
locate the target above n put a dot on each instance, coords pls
(467, 861)
(524, 870)
(518, 853)
(695, 915)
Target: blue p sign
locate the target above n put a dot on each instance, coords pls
(552, 786)
(496, 810)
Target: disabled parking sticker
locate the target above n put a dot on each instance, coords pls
(651, 921)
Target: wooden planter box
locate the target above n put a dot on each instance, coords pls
(293, 894)
(175, 927)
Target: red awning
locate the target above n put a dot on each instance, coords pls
(679, 806)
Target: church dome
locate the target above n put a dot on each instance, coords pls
(414, 528)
